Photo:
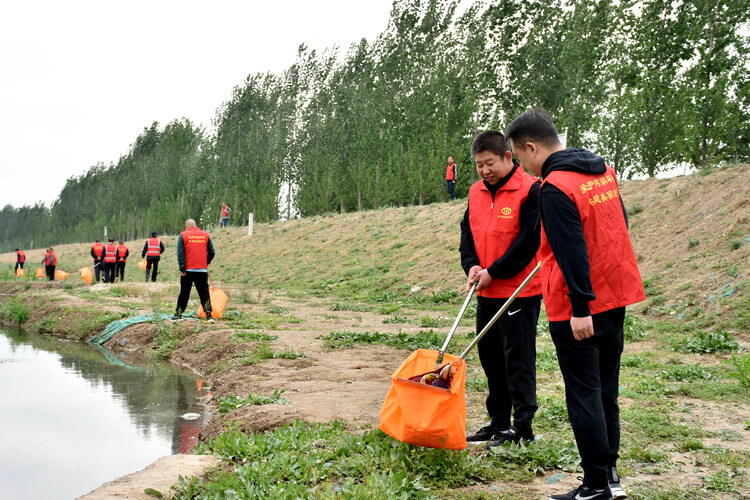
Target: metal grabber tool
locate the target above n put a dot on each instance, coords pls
(455, 325)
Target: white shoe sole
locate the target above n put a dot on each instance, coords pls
(617, 492)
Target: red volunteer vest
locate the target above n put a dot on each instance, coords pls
(494, 226)
(195, 242)
(110, 252)
(21, 256)
(50, 259)
(154, 247)
(614, 273)
(225, 212)
(121, 251)
(98, 249)
(450, 173)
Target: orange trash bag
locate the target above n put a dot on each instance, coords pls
(218, 303)
(142, 264)
(61, 275)
(40, 272)
(19, 272)
(87, 274)
(422, 414)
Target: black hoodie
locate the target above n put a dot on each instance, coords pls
(562, 225)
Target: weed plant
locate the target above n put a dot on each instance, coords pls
(708, 342)
(16, 311)
(422, 340)
(741, 364)
(229, 403)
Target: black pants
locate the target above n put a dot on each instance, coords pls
(98, 270)
(120, 270)
(508, 356)
(18, 265)
(50, 270)
(109, 271)
(201, 285)
(452, 191)
(152, 262)
(591, 372)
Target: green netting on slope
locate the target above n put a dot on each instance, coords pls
(119, 324)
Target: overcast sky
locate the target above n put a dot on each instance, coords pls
(80, 79)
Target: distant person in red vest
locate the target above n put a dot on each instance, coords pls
(50, 262)
(122, 257)
(225, 210)
(152, 250)
(499, 243)
(451, 174)
(97, 252)
(590, 275)
(20, 259)
(195, 251)
(109, 261)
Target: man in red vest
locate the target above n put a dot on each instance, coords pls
(195, 251)
(225, 214)
(97, 252)
(152, 250)
(122, 257)
(20, 259)
(109, 261)
(499, 243)
(451, 174)
(50, 262)
(590, 274)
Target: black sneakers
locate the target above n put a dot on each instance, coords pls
(584, 493)
(177, 315)
(511, 435)
(486, 433)
(614, 484)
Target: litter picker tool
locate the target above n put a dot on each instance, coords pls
(423, 408)
(441, 352)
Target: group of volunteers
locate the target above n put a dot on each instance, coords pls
(588, 275)
(49, 261)
(109, 260)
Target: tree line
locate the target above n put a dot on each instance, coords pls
(647, 84)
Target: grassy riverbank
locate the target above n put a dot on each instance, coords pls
(324, 309)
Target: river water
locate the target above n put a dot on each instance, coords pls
(70, 420)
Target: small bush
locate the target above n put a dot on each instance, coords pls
(693, 242)
(736, 244)
(233, 402)
(15, 311)
(741, 363)
(635, 209)
(709, 342)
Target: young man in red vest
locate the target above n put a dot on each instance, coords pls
(590, 274)
(225, 214)
(109, 261)
(451, 174)
(195, 251)
(97, 252)
(50, 262)
(20, 259)
(499, 243)
(122, 257)
(152, 250)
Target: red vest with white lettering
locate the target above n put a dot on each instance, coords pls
(21, 256)
(98, 250)
(154, 247)
(450, 172)
(195, 242)
(615, 277)
(122, 250)
(110, 252)
(494, 226)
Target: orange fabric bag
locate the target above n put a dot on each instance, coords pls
(61, 275)
(40, 272)
(218, 303)
(423, 415)
(19, 272)
(142, 264)
(87, 274)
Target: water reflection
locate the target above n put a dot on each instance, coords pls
(73, 421)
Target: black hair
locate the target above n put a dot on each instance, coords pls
(534, 125)
(490, 140)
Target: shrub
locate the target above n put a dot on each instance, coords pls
(709, 342)
(15, 311)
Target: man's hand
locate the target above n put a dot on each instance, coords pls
(183, 273)
(472, 276)
(482, 279)
(583, 328)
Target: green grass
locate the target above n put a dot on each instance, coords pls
(346, 338)
(15, 310)
(229, 403)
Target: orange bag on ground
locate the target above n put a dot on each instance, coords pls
(40, 272)
(421, 414)
(61, 275)
(218, 303)
(142, 264)
(87, 274)
(19, 272)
